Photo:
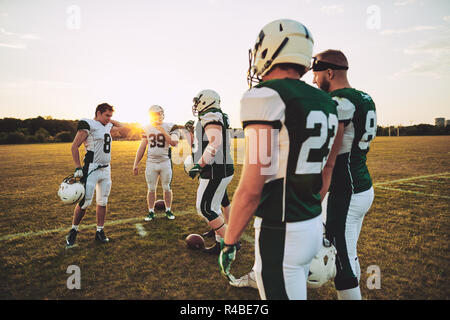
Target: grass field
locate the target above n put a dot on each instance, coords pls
(406, 232)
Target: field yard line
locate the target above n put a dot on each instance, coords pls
(413, 184)
(244, 237)
(411, 178)
(107, 223)
(414, 192)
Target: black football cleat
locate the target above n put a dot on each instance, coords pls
(71, 237)
(101, 237)
(214, 249)
(209, 234)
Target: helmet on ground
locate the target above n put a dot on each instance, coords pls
(323, 266)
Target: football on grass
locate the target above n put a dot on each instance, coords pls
(195, 241)
(160, 205)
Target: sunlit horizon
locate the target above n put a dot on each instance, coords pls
(71, 56)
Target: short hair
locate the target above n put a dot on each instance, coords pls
(103, 107)
(297, 67)
(336, 57)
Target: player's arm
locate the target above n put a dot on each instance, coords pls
(251, 183)
(327, 171)
(171, 140)
(214, 134)
(345, 110)
(117, 126)
(80, 137)
(188, 132)
(139, 154)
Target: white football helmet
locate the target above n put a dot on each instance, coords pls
(71, 190)
(188, 164)
(204, 100)
(281, 41)
(323, 266)
(156, 114)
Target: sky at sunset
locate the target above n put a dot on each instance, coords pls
(63, 58)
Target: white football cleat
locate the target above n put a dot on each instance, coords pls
(247, 280)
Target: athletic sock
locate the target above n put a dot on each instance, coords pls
(349, 294)
(75, 227)
(99, 228)
(167, 209)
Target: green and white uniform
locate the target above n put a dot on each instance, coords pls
(96, 168)
(351, 192)
(288, 229)
(215, 176)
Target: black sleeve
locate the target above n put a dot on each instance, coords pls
(83, 125)
(275, 124)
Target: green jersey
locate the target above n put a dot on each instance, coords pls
(357, 109)
(222, 164)
(305, 123)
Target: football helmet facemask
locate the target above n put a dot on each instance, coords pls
(205, 99)
(323, 266)
(281, 41)
(156, 115)
(71, 190)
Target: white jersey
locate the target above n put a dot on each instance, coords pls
(158, 147)
(98, 141)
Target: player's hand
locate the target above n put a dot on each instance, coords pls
(135, 171)
(78, 173)
(189, 126)
(226, 257)
(196, 169)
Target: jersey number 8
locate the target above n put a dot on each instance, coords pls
(107, 144)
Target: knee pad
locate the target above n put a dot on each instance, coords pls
(209, 215)
(166, 187)
(343, 283)
(103, 201)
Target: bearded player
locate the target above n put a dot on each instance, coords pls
(213, 162)
(159, 136)
(351, 192)
(96, 171)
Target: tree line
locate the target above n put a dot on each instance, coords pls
(415, 130)
(41, 130)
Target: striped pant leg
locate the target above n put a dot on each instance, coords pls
(283, 254)
(209, 195)
(345, 214)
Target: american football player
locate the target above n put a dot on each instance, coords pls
(225, 203)
(96, 171)
(159, 136)
(351, 192)
(213, 162)
(289, 128)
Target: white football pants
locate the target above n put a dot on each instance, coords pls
(154, 170)
(283, 254)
